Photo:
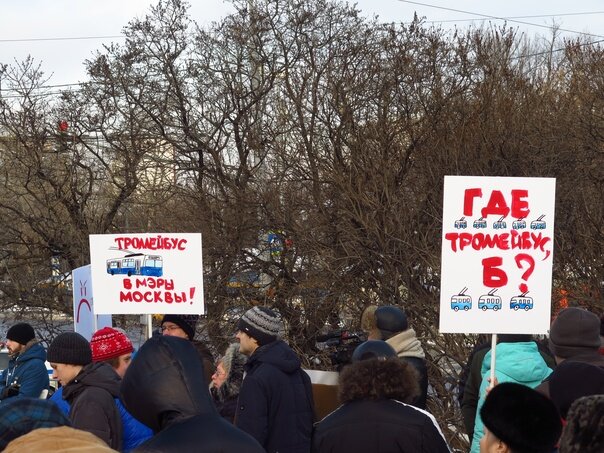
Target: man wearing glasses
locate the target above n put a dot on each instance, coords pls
(183, 326)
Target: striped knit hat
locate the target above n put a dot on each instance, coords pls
(261, 323)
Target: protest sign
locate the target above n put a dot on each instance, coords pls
(497, 254)
(85, 321)
(147, 273)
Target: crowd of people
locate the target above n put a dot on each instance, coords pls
(172, 396)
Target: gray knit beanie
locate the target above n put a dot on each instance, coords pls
(70, 348)
(574, 332)
(261, 323)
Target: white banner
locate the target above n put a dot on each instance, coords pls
(84, 320)
(497, 254)
(147, 273)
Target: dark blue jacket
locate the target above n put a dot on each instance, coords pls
(134, 432)
(165, 389)
(28, 370)
(275, 402)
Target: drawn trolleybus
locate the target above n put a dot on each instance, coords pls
(500, 224)
(480, 223)
(519, 224)
(461, 301)
(136, 264)
(490, 301)
(539, 223)
(461, 223)
(521, 302)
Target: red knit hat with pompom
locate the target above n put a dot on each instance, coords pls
(108, 343)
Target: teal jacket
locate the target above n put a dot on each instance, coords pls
(515, 362)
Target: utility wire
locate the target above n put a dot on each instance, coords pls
(66, 38)
(514, 17)
(484, 16)
(500, 18)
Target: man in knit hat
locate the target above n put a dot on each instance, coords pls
(518, 419)
(275, 402)
(89, 388)
(26, 374)
(182, 326)
(574, 340)
(113, 347)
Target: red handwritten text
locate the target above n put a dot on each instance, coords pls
(153, 243)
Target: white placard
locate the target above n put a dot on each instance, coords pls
(84, 320)
(147, 273)
(497, 254)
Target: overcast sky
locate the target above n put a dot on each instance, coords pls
(26, 20)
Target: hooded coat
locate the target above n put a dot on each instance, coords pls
(276, 402)
(521, 363)
(225, 396)
(27, 369)
(164, 389)
(91, 397)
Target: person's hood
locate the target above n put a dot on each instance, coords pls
(277, 354)
(100, 375)
(165, 383)
(32, 350)
(233, 363)
(521, 362)
(572, 380)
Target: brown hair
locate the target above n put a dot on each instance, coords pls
(377, 379)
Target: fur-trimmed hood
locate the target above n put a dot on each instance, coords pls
(233, 363)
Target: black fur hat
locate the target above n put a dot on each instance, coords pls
(390, 320)
(522, 418)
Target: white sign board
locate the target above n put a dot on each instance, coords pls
(85, 322)
(497, 254)
(147, 273)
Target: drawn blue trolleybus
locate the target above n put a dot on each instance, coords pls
(521, 302)
(490, 301)
(538, 223)
(480, 223)
(461, 301)
(136, 264)
(519, 224)
(500, 224)
(461, 223)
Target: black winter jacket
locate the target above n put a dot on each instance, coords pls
(164, 388)
(382, 426)
(275, 401)
(91, 396)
